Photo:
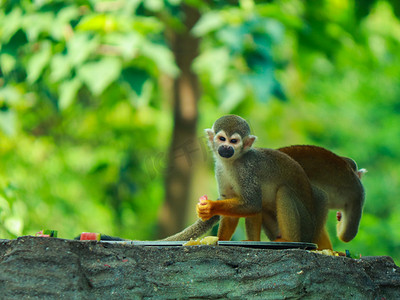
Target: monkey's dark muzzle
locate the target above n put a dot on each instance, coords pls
(226, 151)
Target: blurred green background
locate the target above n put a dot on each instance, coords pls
(103, 106)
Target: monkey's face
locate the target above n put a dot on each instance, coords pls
(228, 147)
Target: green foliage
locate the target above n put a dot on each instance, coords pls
(77, 96)
(237, 62)
(85, 113)
(12, 211)
(84, 129)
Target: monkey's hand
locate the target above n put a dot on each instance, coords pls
(204, 208)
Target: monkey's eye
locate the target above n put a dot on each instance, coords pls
(222, 139)
(234, 141)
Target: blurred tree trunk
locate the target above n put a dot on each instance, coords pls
(185, 97)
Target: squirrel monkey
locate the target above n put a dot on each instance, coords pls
(270, 189)
(339, 178)
(265, 186)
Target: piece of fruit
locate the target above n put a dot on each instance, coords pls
(47, 233)
(202, 198)
(208, 240)
(90, 236)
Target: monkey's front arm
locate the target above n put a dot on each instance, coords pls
(230, 211)
(233, 207)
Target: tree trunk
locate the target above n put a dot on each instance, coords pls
(182, 152)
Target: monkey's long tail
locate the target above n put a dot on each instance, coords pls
(195, 230)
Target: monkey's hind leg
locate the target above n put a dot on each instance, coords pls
(323, 241)
(295, 223)
(270, 225)
(321, 209)
(227, 227)
(253, 227)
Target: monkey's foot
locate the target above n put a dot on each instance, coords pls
(281, 240)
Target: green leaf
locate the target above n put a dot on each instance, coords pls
(38, 62)
(37, 24)
(60, 67)
(80, 46)
(14, 45)
(7, 63)
(68, 13)
(261, 84)
(233, 37)
(154, 5)
(61, 25)
(127, 44)
(4, 207)
(136, 78)
(99, 22)
(8, 120)
(231, 95)
(99, 75)
(162, 56)
(215, 63)
(68, 91)
(208, 22)
(10, 24)
(363, 8)
(11, 94)
(14, 224)
(147, 25)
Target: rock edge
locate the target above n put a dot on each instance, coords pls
(51, 268)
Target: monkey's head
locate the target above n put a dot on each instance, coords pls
(230, 137)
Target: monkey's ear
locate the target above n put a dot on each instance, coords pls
(210, 134)
(249, 141)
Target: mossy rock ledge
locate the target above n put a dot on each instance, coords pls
(51, 268)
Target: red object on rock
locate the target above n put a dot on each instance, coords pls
(41, 234)
(46, 233)
(90, 236)
(339, 215)
(203, 198)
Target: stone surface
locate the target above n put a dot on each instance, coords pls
(49, 268)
